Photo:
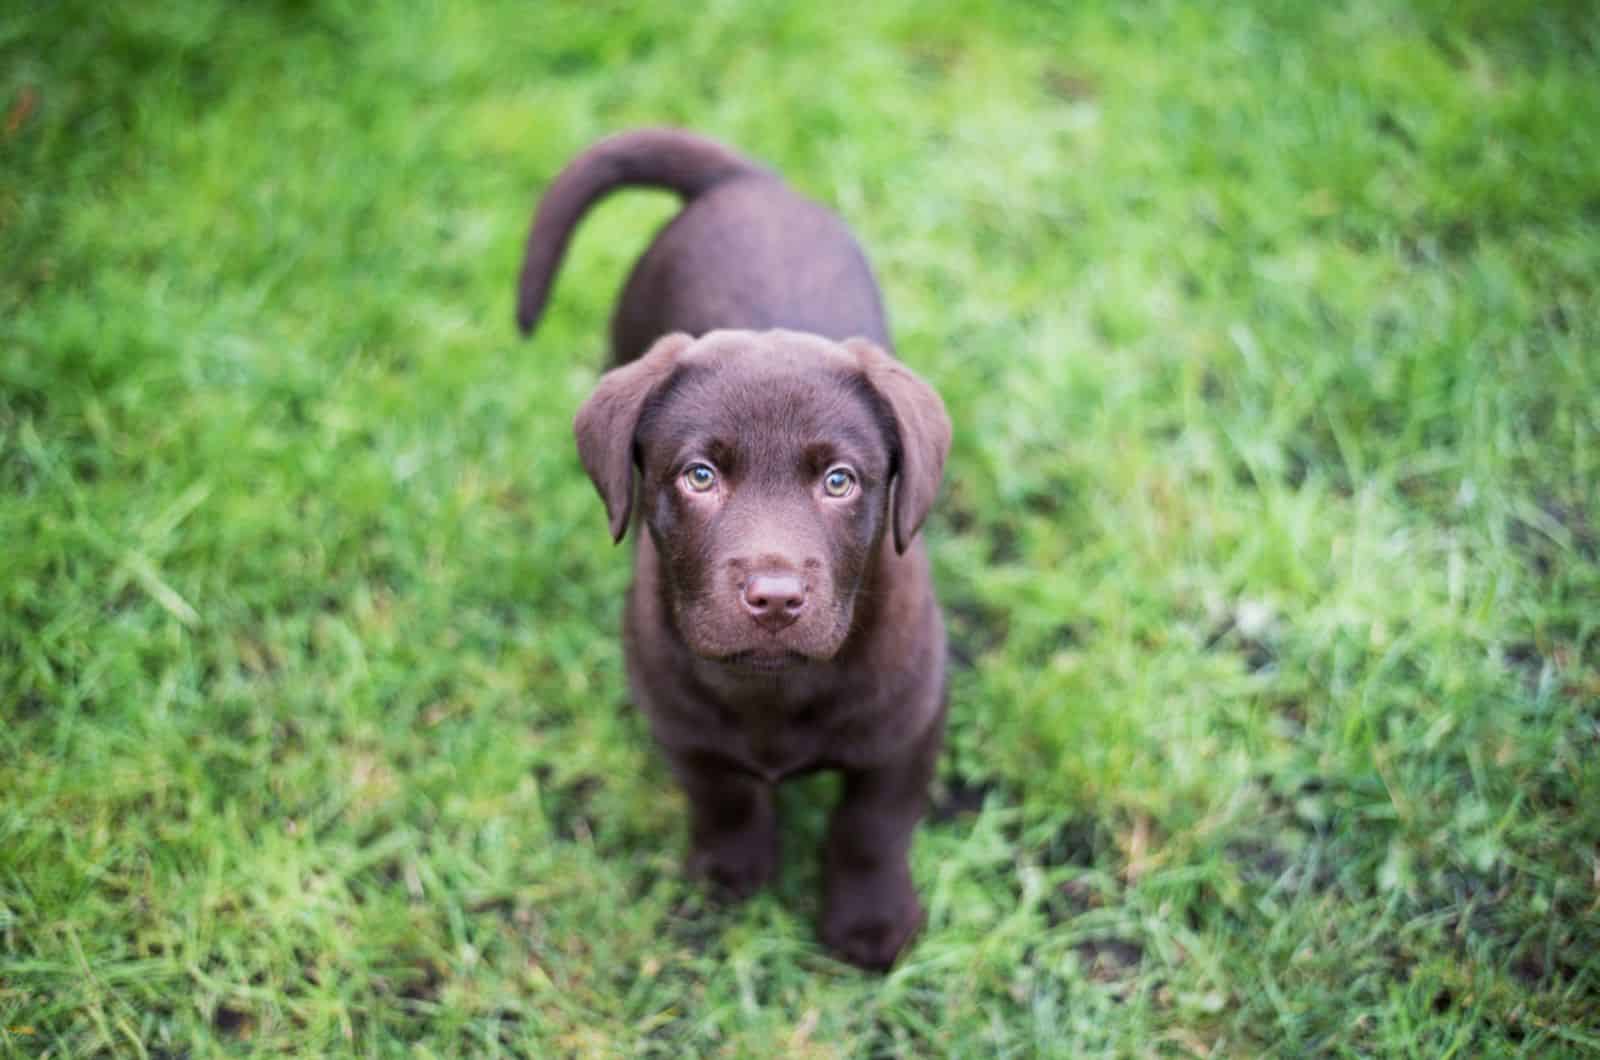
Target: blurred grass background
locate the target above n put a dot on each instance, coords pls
(1270, 540)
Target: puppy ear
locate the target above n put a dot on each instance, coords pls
(923, 428)
(606, 422)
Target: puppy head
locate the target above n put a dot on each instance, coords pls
(771, 466)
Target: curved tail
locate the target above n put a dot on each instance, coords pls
(662, 158)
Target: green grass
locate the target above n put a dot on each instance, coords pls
(1270, 540)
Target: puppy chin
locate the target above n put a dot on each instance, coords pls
(765, 660)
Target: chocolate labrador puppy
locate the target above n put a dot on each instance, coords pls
(782, 619)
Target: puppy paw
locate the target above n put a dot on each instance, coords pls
(870, 927)
(734, 871)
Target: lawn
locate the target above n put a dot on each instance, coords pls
(1270, 539)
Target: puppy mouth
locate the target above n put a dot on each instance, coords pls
(766, 661)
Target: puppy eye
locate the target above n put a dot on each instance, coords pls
(699, 477)
(838, 482)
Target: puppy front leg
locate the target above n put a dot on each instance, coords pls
(733, 827)
(870, 907)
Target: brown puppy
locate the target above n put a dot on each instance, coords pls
(782, 618)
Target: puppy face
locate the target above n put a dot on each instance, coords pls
(771, 467)
(765, 488)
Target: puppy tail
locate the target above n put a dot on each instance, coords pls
(658, 158)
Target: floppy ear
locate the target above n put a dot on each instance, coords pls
(606, 423)
(924, 436)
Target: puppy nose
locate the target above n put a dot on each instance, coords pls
(774, 600)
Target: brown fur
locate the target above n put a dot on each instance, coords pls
(776, 625)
